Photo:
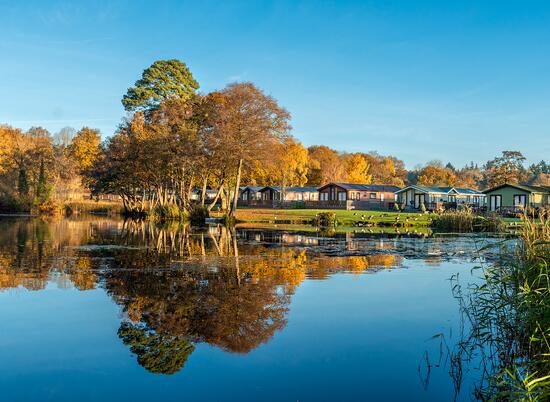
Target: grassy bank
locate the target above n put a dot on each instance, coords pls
(344, 218)
(420, 230)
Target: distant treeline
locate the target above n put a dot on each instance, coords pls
(176, 140)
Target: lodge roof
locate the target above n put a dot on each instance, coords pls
(291, 189)
(363, 187)
(442, 190)
(253, 188)
(524, 187)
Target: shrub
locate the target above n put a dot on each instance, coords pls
(198, 214)
(10, 204)
(325, 219)
(44, 207)
(167, 212)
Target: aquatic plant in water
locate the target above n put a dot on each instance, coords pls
(509, 314)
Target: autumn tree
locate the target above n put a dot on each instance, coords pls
(542, 179)
(357, 169)
(290, 168)
(386, 169)
(85, 148)
(27, 167)
(245, 124)
(13, 167)
(469, 176)
(507, 168)
(325, 165)
(164, 79)
(431, 175)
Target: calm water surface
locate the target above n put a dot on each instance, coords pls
(102, 309)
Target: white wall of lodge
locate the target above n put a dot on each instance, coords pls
(412, 197)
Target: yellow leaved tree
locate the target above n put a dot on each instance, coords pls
(85, 148)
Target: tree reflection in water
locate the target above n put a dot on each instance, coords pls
(178, 287)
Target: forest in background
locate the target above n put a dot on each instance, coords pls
(175, 140)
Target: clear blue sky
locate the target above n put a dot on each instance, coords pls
(455, 81)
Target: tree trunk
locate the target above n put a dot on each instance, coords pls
(216, 197)
(237, 184)
(203, 191)
(189, 195)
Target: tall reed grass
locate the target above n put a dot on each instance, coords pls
(92, 207)
(465, 220)
(509, 315)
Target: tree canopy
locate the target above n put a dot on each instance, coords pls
(506, 168)
(164, 79)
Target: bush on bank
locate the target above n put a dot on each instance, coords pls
(325, 219)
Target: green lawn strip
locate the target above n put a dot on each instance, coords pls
(339, 229)
(345, 218)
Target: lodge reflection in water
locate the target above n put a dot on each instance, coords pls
(179, 287)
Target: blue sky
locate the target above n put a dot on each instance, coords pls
(421, 80)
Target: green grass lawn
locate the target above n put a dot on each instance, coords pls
(345, 218)
(419, 230)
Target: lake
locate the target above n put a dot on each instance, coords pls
(97, 308)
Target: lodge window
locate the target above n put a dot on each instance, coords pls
(372, 196)
(495, 202)
(520, 200)
(341, 196)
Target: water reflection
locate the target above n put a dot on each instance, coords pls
(178, 287)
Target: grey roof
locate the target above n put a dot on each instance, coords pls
(293, 189)
(364, 187)
(443, 190)
(253, 188)
(462, 190)
(524, 187)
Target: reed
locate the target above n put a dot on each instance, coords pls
(465, 220)
(92, 207)
(510, 318)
